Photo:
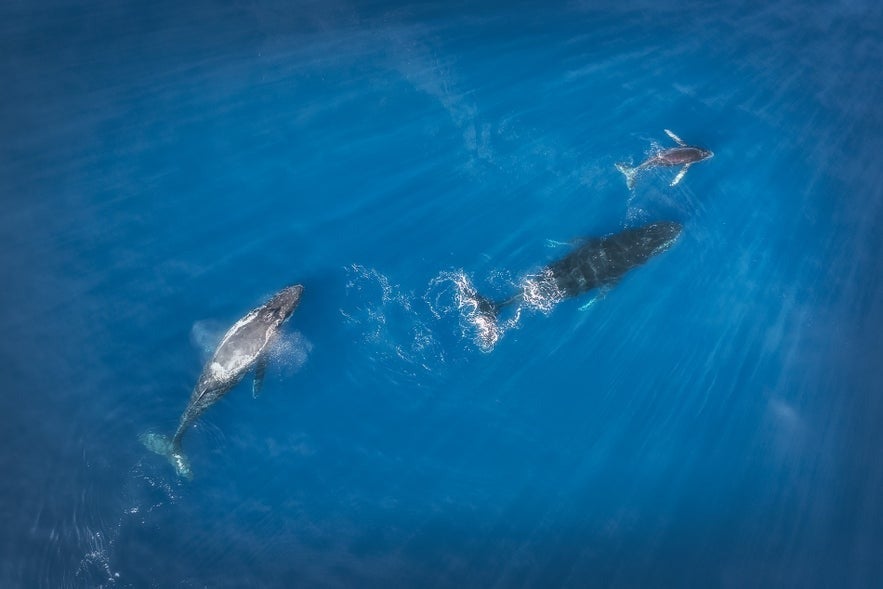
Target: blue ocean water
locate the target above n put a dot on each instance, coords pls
(710, 421)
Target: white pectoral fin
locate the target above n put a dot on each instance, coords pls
(599, 296)
(680, 175)
(675, 138)
(260, 371)
(588, 304)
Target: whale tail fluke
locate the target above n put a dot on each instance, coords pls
(629, 172)
(484, 319)
(480, 315)
(479, 312)
(486, 307)
(165, 446)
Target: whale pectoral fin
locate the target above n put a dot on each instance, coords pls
(588, 304)
(572, 243)
(680, 175)
(260, 371)
(600, 294)
(675, 138)
(578, 242)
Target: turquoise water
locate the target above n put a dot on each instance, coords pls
(712, 420)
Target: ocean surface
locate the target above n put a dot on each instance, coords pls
(713, 419)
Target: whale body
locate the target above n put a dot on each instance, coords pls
(243, 347)
(684, 155)
(599, 262)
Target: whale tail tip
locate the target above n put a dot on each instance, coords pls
(484, 319)
(487, 307)
(629, 173)
(164, 446)
(480, 314)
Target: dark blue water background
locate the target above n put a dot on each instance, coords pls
(713, 421)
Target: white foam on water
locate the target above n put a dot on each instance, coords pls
(389, 324)
(452, 293)
(540, 292)
(146, 494)
(96, 561)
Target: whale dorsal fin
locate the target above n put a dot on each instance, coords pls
(260, 370)
(675, 138)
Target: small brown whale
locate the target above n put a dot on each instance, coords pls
(683, 155)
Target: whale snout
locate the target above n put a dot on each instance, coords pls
(283, 303)
(663, 234)
(666, 229)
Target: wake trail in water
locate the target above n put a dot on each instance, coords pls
(453, 293)
(481, 320)
(145, 494)
(390, 327)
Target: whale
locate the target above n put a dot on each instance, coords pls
(244, 347)
(598, 263)
(683, 155)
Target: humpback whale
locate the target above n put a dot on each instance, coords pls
(243, 347)
(599, 262)
(682, 155)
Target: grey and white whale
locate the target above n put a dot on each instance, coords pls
(599, 263)
(683, 155)
(243, 347)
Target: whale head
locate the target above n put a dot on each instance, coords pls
(659, 236)
(283, 304)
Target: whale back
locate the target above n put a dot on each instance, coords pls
(678, 156)
(249, 337)
(240, 346)
(605, 260)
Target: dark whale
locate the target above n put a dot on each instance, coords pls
(243, 347)
(683, 155)
(598, 263)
